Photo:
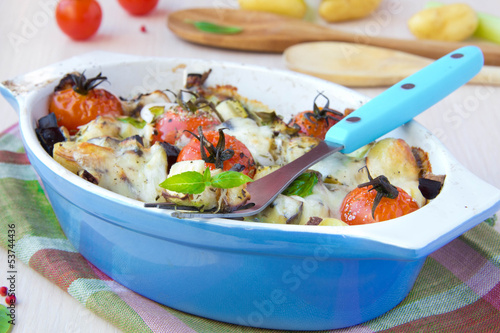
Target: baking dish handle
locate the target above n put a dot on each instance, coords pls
(17, 89)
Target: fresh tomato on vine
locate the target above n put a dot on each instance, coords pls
(138, 7)
(186, 117)
(79, 19)
(376, 201)
(318, 121)
(76, 101)
(220, 151)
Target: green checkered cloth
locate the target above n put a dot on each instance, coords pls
(458, 289)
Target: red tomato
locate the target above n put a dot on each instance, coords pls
(79, 19)
(173, 123)
(138, 7)
(315, 124)
(357, 206)
(242, 155)
(77, 103)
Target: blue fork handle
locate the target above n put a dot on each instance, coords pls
(406, 99)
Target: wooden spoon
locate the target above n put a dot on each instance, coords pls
(364, 66)
(266, 32)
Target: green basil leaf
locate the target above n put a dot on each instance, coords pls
(207, 177)
(230, 179)
(190, 182)
(132, 121)
(6, 321)
(302, 185)
(215, 28)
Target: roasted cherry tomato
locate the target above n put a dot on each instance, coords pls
(233, 155)
(312, 126)
(316, 122)
(76, 101)
(138, 7)
(357, 206)
(79, 19)
(174, 123)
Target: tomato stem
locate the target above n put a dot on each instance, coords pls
(383, 187)
(80, 83)
(216, 154)
(323, 113)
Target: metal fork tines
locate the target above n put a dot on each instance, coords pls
(264, 190)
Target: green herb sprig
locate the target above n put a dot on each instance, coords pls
(192, 182)
(302, 185)
(215, 28)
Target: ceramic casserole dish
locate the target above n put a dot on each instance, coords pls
(291, 277)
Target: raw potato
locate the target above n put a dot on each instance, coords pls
(343, 10)
(454, 22)
(294, 8)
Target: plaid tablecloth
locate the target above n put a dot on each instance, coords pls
(458, 289)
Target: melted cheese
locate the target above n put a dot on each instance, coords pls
(129, 169)
(111, 127)
(258, 139)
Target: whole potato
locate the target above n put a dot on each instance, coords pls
(294, 8)
(454, 22)
(343, 10)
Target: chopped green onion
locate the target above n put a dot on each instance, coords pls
(132, 121)
(157, 110)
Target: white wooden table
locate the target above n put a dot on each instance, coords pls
(467, 121)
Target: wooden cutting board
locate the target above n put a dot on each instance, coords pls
(356, 65)
(267, 32)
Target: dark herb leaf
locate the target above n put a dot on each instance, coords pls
(230, 179)
(190, 182)
(303, 185)
(216, 28)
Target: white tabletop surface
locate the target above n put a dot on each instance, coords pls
(467, 121)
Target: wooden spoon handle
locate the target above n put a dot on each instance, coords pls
(424, 48)
(267, 32)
